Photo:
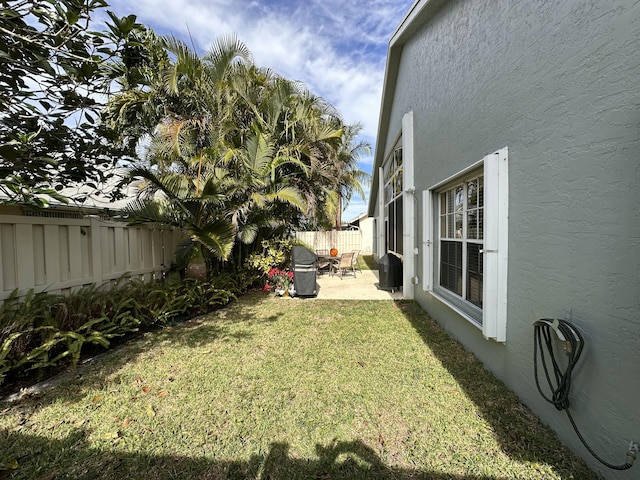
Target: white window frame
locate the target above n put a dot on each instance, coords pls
(393, 183)
(495, 249)
(398, 180)
(461, 236)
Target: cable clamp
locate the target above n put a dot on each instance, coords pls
(632, 453)
(553, 323)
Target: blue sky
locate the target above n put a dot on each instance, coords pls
(337, 49)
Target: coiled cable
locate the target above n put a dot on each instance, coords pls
(573, 344)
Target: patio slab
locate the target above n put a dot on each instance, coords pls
(364, 286)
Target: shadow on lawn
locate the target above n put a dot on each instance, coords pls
(520, 433)
(39, 458)
(74, 456)
(99, 364)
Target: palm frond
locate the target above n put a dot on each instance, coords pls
(258, 199)
(248, 233)
(217, 236)
(259, 151)
(288, 195)
(152, 213)
(186, 63)
(222, 54)
(172, 185)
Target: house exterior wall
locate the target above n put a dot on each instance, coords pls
(366, 229)
(558, 83)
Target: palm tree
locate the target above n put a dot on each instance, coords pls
(236, 152)
(182, 185)
(173, 199)
(349, 176)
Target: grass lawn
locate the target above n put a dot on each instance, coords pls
(273, 388)
(367, 262)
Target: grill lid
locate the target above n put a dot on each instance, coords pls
(302, 256)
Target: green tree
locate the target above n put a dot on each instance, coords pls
(263, 143)
(187, 181)
(54, 75)
(174, 199)
(348, 175)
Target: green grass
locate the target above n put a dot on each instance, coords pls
(366, 262)
(274, 388)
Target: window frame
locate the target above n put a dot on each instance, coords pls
(492, 317)
(393, 198)
(451, 211)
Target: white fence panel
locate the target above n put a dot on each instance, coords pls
(60, 255)
(343, 240)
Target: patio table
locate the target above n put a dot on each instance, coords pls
(332, 259)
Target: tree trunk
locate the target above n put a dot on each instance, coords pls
(338, 225)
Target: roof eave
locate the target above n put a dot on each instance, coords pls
(418, 14)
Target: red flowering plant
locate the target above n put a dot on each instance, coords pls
(278, 281)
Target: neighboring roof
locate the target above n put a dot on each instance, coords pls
(418, 14)
(358, 218)
(85, 199)
(99, 198)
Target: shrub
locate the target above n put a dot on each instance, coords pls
(278, 280)
(42, 330)
(275, 254)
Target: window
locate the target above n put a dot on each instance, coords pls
(461, 233)
(465, 243)
(393, 185)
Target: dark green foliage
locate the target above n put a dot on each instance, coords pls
(42, 331)
(54, 75)
(238, 153)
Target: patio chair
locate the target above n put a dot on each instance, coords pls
(345, 264)
(356, 253)
(323, 263)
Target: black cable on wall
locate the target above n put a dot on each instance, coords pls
(545, 330)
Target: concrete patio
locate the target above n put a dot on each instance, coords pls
(364, 286)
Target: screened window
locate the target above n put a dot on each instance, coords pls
(393, 185)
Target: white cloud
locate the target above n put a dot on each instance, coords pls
(337, 49)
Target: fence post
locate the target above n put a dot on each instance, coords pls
(96, 250)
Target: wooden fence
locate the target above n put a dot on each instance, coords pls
(344, 240)
(60, 255)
